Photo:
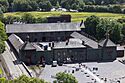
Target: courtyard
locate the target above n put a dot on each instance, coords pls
(92, 72)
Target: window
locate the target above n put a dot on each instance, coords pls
(58, 54)
(64, 53)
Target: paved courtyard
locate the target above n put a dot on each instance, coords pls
(110, 72)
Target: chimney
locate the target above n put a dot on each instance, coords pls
(107, 35)
(67, 42)
(27, 38)
(81, 23)
(45, 47)
(83, 43)
(52, 44)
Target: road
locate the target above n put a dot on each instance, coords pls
(11, 64)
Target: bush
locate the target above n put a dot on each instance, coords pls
(65, 78)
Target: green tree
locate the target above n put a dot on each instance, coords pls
(71, 4)
(91, 25)
(3, 37)
(28, 18)
(33, 4)
(116, 34)
(54, 2)
(41, 20)
(2, 80)
(4, 5)
(115, 9)
(123, 29)
(57, 5)
(97, 28)
(75, 6)
(1, 15)
(65, 78)
(21, 5)
(45, 5)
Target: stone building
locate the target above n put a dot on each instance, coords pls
(62, 18)
(102, 51)
(64, 42)
(44, 32)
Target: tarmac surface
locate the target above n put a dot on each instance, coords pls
(92, 72)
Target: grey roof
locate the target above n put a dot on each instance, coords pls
(87, 41)
(15, 41)
(38, 48)
(71, 44)
(44, 27)
(27, 46)
(120, 48)
(107, 43)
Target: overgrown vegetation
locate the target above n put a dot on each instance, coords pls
(3, 37)
(23, 79)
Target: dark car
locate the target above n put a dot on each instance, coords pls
(60, 63)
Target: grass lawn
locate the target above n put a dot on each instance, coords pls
(76, 16)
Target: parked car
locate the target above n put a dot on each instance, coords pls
(60, 63)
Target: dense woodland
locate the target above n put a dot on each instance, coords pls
(46, 5)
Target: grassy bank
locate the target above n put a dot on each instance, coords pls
(76, 16)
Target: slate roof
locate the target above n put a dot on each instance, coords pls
(44, 27)
(120, 48)
(27, 46)
(89, 42)
(107, 43)
(15, 41)
(73, 43)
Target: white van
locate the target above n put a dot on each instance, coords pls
(54, 64)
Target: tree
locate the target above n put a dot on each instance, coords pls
(123, 29)
(45, 5)
(54, 2)
(75, 6)
(65, 78)
(28, 18)
(97, 28)
(33, 4)
(115, 9)
(4, 5)
(112, 26)
(21, 5)
(41, 20)
(116, 34)
(1, 15)
(57, 5)
(91, 25)
(3, 37)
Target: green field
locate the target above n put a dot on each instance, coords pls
(76, 16)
